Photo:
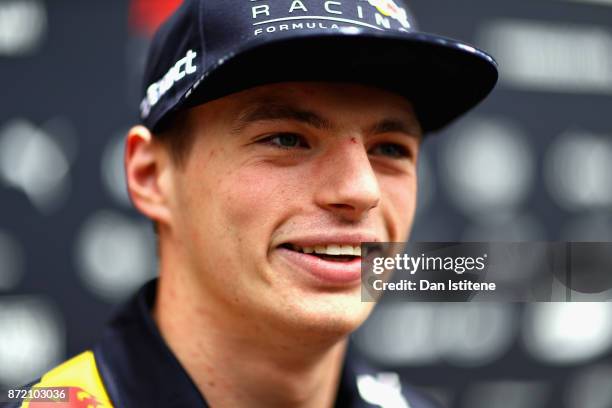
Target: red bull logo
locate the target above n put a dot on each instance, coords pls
(77, 398)
(390, 9)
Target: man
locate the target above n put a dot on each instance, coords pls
(276, 137)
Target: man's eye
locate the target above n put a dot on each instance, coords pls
(391, 150)
(285, 140)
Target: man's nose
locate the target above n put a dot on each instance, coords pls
(348, 186)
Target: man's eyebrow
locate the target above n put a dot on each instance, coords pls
(396, 125)
(270, 111)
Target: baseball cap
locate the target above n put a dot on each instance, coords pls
(212, 48)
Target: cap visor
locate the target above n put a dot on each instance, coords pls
(443, 78)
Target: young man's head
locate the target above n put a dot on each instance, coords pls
(279, 135)
(277, 187)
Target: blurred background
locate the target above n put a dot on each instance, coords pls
(532, 163)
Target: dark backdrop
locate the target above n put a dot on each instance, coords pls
(534, 162)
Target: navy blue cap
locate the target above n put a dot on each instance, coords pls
(212, 48)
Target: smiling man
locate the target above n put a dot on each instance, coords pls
(276, 137)
(260, 226)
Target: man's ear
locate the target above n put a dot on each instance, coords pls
(147, 169)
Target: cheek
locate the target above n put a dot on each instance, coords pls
(257, 198)
(228, 215)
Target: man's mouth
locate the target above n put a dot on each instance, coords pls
(330, 252)
(331, 259)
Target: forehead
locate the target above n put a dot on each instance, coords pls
(328, 94)
(333, 101)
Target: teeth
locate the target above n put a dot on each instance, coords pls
(335, 250)
(347, 250)
(332, 249)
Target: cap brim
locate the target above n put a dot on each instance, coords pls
(443, 78)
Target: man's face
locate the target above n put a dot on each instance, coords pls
(280, 170)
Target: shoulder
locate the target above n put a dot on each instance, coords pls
(78, 384)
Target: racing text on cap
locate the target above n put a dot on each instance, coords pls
(302, 14)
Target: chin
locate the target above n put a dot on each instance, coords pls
(330, 315)
(308, 309)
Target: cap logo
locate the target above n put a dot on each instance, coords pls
(333, 15)
(156, 90)
(390, 9)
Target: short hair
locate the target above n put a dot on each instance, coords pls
(176, 134)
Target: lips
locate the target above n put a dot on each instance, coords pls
(326, 261)
(346, 250)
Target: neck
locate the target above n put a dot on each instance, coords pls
(238, 362)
